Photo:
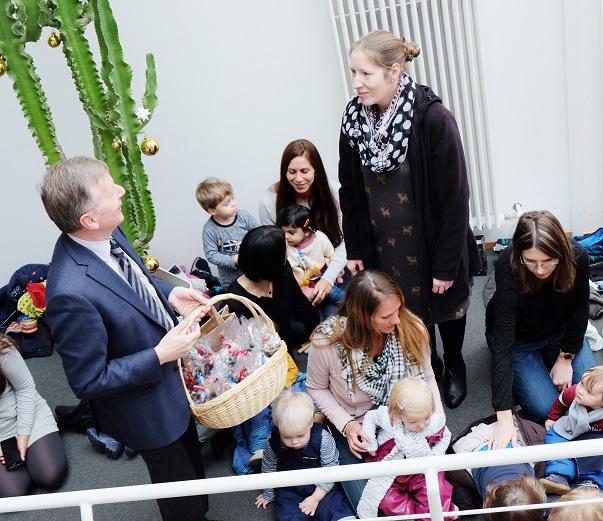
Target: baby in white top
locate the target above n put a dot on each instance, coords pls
(411, 408)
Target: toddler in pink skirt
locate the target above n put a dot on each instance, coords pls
(408, 428)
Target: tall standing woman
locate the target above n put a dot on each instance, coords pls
(405, 196)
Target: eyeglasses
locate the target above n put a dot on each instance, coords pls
(545, 265)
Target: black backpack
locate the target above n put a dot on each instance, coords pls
(201, 269)
(464, 492)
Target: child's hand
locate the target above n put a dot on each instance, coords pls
(548, 424)
(308, 505)
(308, 292)
(261, 502)
(372, 452)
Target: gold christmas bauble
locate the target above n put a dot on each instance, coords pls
(2, 67)
(54, 40)
(116, 145)
(151, 263)
(149, 146)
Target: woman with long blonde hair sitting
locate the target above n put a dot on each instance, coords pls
(356, 357)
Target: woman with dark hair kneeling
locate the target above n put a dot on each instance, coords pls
(536, 320)
(303, 180)
(25, 415)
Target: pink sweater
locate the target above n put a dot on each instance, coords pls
(329, 391)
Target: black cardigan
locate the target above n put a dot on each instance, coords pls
(287, 303)
(511, 316)
(441, 194)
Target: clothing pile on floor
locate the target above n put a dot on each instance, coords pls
(593, 244)
(22, 308)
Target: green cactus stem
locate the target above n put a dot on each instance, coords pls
(117, 75)
(16, 26)
(106, 95)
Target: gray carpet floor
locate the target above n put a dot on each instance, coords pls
(89, 469)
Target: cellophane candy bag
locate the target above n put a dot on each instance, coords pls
(245, 344)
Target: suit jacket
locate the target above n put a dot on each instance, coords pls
(105, 336)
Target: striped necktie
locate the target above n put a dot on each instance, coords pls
(154, 304)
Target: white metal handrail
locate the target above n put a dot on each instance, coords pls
(86, 499)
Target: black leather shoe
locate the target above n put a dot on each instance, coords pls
(78, 419)
(437, 365)
(60, 410)
(455, 384)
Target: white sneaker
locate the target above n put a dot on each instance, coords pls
(256, 458)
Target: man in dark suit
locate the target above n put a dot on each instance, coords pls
(117, 352)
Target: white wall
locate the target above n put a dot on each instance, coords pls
(237, 82)
(233, 92)
(543, 76)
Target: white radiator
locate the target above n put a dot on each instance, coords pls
(449, 63)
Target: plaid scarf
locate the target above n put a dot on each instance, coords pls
(382, 142)
(375, 377)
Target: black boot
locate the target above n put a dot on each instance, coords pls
(455, 384)
(78, 418)
(437, 365)
(436, 362)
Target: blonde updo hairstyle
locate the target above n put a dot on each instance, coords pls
(385, 49)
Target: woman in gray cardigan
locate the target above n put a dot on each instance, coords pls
(26, 415)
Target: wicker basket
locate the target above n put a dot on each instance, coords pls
(254, 393)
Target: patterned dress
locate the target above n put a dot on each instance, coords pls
(397, 237)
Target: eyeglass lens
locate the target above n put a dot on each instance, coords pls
(544, 264)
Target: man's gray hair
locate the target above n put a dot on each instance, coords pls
(67, 190)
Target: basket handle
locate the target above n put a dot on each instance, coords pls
(252, 306)
(215, 314)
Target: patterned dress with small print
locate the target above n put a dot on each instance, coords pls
(393, 219)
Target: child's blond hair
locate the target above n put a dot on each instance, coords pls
(211, 192)
(592, 378)
(411, 395)
(292, 412)
(590, 512)
(523, 490)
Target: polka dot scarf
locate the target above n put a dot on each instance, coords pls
(381, 141)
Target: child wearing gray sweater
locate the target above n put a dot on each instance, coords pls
(225, 229)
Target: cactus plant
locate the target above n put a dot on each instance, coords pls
(106, 96)
(19, 25)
